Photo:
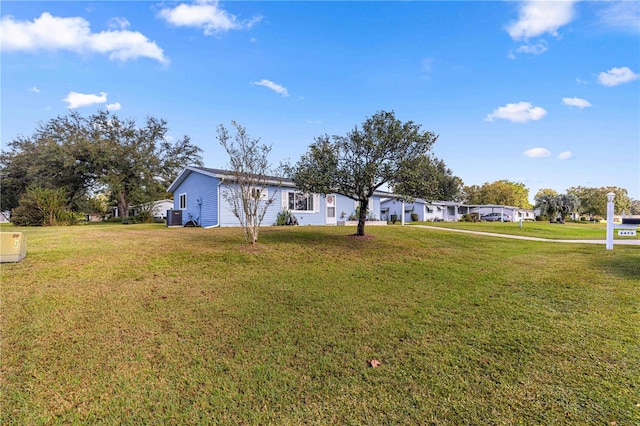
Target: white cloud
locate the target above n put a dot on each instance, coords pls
(576, 102)
(566, 155)
(34, 89)
(616, 76)
(427, 64)
(427, 67)
(119, 24)
(518, 113)
(77, 100)
(114, 107)
(537, 153)
(273, 86)
(621, 15)
(539, 17)
(206, 15)
(533, 49)
(52, 33)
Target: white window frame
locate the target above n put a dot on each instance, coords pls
(182, 201)
(263, 193)
(315, 202)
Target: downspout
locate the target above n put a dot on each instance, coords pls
(217, 225)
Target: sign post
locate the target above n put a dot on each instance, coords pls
(610, 197)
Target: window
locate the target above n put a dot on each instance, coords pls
(298, 201)
(182, 201)
(261, 194)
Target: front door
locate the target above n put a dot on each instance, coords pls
(331, 209)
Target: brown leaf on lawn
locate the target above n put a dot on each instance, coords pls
(374, 363)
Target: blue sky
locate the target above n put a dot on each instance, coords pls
(542, 93)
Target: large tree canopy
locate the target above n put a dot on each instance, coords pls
(59, 155)
(368, 157)
(429, 178)
(137, 164)
(501, 192)
(593, 201)
(81, 155)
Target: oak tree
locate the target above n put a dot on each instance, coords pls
(83, 156)
(368, 157)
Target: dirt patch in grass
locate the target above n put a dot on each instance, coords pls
(252, 248)
(357, 237)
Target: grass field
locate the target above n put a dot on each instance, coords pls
(143, 324)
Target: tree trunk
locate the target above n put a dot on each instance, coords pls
(362, 217)
(123, 206)
(52, 217)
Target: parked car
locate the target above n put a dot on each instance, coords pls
(496, 217)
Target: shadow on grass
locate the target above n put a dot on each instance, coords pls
(622, 262)
(311, 236)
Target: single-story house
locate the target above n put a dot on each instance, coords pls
(94, 217)
(160, 208)
(515, 213)
(426, 211)
(199, 194)
(446, 211)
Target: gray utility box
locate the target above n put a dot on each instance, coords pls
(174, 217)
(13, 246)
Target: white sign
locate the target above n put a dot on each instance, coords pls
(627, 232)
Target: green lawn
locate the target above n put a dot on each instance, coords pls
(567, 231)
(143, 324)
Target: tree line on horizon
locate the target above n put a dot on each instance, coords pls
(72, 165)
(588, 202)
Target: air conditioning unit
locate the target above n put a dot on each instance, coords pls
(13, 246)
(174, 217)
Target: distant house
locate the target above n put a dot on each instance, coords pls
(446, 211)
(94, 217)
(5, 217)
(160, 208)
(199, 196)
(425, 211)
(514, 213)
